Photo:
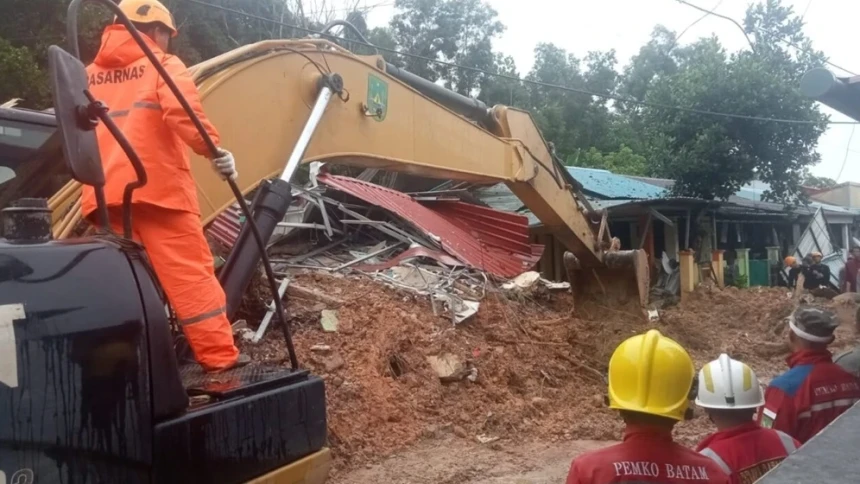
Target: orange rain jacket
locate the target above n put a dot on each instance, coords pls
(151, 117)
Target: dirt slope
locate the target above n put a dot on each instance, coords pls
(539, 368)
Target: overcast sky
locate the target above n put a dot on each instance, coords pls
(625, 25)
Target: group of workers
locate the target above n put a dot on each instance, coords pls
(652, 380)
(815, 273)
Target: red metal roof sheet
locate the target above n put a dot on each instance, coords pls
(493, 241)
(226, 226)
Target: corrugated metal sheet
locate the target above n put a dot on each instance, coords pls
(506, 230)
(486, 239)
(500, 197)
(226, 226)
(816, 238)
(605, 184)
(836, 262)
(750, 196)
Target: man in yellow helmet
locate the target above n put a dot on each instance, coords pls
(165, 212)
(650, 378)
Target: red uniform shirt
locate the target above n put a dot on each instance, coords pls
(647, 455)
(851, 269)
(809, 396)
(747, 451)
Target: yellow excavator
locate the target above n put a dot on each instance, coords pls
(276, 98)
(90, 385)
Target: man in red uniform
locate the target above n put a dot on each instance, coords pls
(730, 393)
(852, 267)
(650, 377)
(814, 391)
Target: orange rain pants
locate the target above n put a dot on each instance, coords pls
(178, 252)
(165, 212)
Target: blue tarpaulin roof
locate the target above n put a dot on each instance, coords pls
(606, 189)
(605, 184)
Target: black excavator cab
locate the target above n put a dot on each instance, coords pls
(91, 389)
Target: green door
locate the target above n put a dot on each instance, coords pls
(759, 273)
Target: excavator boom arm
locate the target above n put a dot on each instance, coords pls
(260, 95)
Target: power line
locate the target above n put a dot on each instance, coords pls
(703, 17)
(806, 9)
(847, 150)
(364, 9)
(777, 37)
(715, 14)
(536, 83)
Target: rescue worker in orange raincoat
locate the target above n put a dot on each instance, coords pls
(814, 391)
(165, 212)
(650, 378)
(730, 393)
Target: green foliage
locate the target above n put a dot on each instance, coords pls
(712, 157)
(741, 281)
(455, 31)
(20, 76)
(812, 181)
(623, 161)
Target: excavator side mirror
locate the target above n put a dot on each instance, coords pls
(74, 120)
(78, 113)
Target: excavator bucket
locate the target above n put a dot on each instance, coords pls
(622, 280)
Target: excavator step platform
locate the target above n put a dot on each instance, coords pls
(257, 420)
(252, 378)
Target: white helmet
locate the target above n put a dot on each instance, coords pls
(728, 384)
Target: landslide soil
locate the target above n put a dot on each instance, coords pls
(540, 367)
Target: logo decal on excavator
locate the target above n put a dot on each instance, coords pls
(377, 97)
(9, 313)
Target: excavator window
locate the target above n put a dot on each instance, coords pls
(22, 133)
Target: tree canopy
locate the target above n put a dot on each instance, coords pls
(631, 128)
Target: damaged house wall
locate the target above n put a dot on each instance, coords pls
(744, 226)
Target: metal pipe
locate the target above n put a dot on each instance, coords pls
(308, 131)
(345, 24)
(269, 209)
(460, 104)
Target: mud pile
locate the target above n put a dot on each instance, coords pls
(534, 370)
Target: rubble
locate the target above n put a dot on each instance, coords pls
(540, 372)
(445, 365)
(328, 320)
(418, 338)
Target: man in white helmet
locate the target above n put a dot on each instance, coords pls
(730, 393)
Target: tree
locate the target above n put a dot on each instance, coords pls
(20, 76)
(573, 121)
(453, 31)
(27, 29)
(623, 161)
(812, 181)
(711, 156)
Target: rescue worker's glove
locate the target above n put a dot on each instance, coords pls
(225, 165)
